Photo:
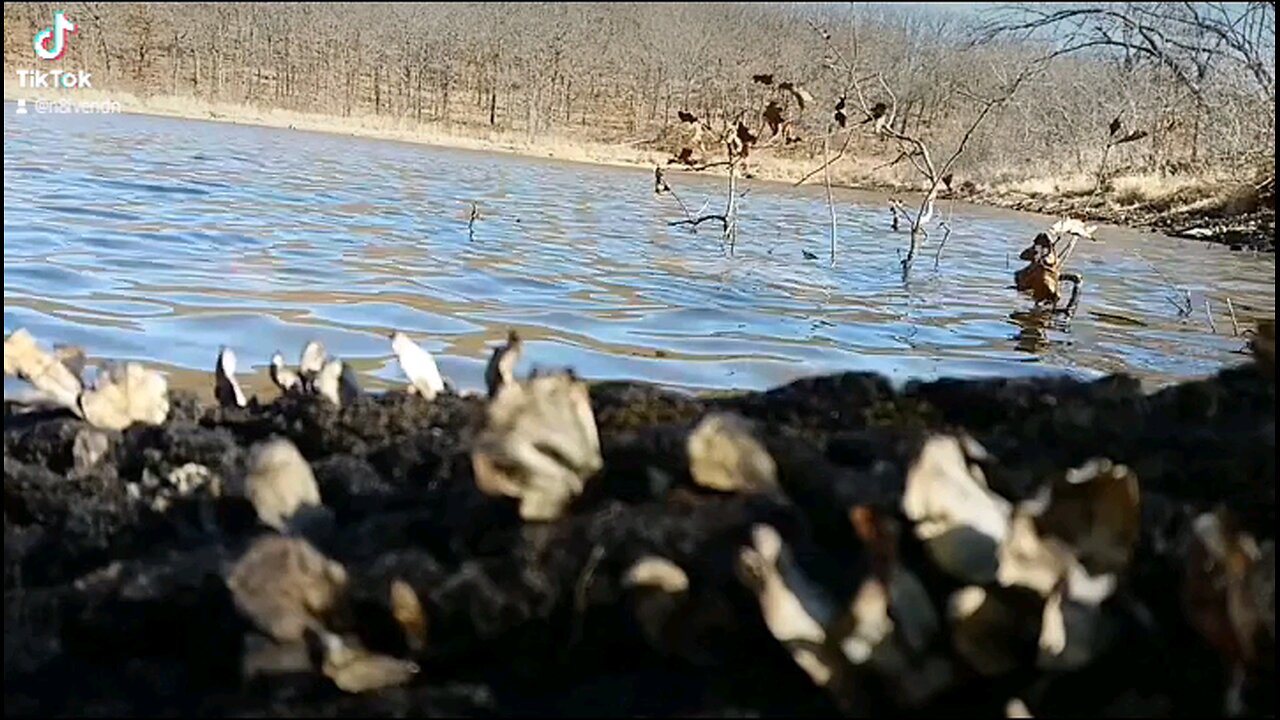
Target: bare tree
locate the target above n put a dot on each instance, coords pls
(1198, 77)
(734, 137)
(882, 118)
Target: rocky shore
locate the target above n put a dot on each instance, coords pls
(835, 546)
(1253, 228)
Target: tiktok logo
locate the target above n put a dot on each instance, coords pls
(51, 42)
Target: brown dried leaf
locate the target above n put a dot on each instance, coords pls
(286, 379)
(356, 670)
(1132, 137)
(417, 365)
(745, 136)
(285, 586)
(264, 657)
(1070, 545)
(869, 621)
(685, 157)
(891, 622)
(1114, 127)
(539, 444)
(1028, 560)
(795, 613)
(226, 389)
(888, 628)
(880, 537)
(23, 358)
(1095, 510)
(801, 96)
(959, 519)
(337, 382)
(72, 357)
(407, 610)
(766, 79)
(279, 482)
(1016, 708)
(686, 117)
(1072, 633)
(124, 395)
(1229, 588)
(312, 360)
(657, 572)
(773, 117)
(1040, 276)
(501, 369)
(724, 455)
(658, 593)
(1079, 532)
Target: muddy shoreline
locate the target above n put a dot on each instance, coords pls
(1255, 230)
(114, 601)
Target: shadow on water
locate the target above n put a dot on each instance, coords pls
(1033, 329)
(159, 240)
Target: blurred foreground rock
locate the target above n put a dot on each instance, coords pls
(955, 547)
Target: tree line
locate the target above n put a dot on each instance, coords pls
(1199, 83)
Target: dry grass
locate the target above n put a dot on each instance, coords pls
(1159, 191)
(1046, 187)
(1186, 196)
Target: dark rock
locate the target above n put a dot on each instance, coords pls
(116, 606)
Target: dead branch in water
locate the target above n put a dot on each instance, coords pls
(734, 141)
(910, 147)
(897, 213)
(831, 206)
(695, 222)
(661, 186)
(946, 233)
(1044, 274)
(1182, 304)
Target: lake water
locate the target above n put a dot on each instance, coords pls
(159, 240)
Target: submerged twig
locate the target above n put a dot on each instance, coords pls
(724, 222)
(946, 233)
(831, 207)
(1208, 313)
(1183, 305)
(1231, 312)
(661, 186)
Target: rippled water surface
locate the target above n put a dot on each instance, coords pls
(159, 240)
